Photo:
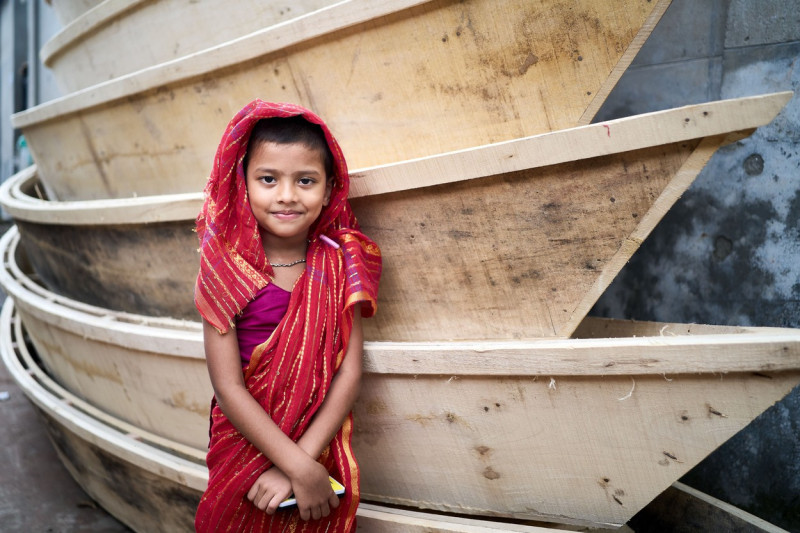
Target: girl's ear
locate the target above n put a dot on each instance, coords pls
(328, 189)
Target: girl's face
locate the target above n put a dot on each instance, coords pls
(287, 188)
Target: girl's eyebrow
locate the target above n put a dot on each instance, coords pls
(298, 173)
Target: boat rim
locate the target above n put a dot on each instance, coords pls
(115, 211)
(88, 22)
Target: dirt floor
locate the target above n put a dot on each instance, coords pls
(37, 493)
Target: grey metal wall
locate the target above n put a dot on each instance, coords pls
(12, 91)
(729, 250)
(25, 25)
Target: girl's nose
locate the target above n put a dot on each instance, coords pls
(286, 191)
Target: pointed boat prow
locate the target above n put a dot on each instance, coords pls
(574, 144)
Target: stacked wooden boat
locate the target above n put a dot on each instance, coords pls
(395, 80)
(68, 10)
(502, 215)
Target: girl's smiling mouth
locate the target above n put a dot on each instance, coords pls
(286, 215)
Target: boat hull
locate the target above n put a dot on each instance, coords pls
(518, 255)
(148, 269)
(122, 37)
(154, 378)
(141, 499)
(579, 431)
(459, 75)
(582, 450)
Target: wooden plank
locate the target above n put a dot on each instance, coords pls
(624, 62)
(596, 327)
(721, 353)
(380, 519)
(512, 256)
(420, 76)
(149, 271)
(22, 197)
(103, 14)
(122, 36)
(17, 276)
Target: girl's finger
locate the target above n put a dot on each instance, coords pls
(272, 505)
(263, 500)
(333, 501)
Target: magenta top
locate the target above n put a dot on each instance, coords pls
(259, 318)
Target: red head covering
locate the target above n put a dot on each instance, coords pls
(290, 374)
(233, 266)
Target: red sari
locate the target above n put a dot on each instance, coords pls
(290, 374)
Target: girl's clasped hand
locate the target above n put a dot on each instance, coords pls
(273, 487)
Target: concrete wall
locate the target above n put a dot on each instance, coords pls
(729, 250)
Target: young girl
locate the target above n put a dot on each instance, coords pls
(285, 276)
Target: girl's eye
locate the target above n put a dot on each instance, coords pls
(306, 181)
(267, 179)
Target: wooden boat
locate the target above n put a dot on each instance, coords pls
(150, 483)
(512, 240)
(122, 36)
(146, 263)
(395, 80)
(155, 378)
(585, 430)
(68, 10)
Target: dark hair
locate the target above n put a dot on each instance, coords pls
(291, 130)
